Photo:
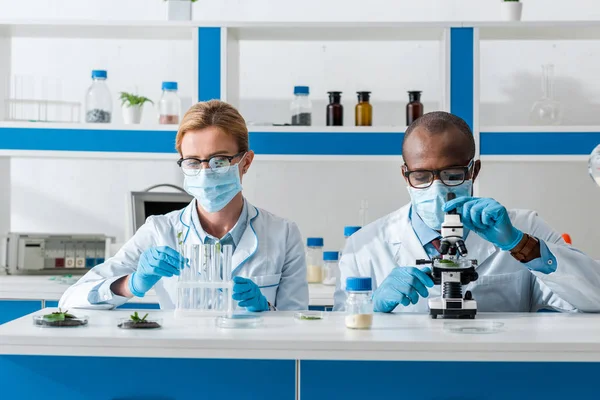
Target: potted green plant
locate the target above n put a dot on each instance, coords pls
(132, 106)
(511, 10)
(179, 10)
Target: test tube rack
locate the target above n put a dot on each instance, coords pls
(205, 283)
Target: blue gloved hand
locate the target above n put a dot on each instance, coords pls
(488, 218)
(248, 294)
(403, 286)
(155, 263)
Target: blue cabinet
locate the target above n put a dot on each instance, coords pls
(13, 309)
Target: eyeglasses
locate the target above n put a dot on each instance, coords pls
(451, 176)
(191, 166)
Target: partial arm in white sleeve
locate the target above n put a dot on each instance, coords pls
(573, 283)
(292, 293)
(93, 289)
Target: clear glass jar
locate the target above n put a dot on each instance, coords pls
(547, 110)
(594, 165)
(169, 105)
(301, 106)
(314, 260)
(98, 100)
(359, 303)
(331, 268)
(348, 231)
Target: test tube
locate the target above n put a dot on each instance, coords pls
(227, 292)
(205, 276)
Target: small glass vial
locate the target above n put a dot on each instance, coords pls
(364, 110)
(335, 110)
(301, 106)
(348, 231)
(169, 105)
(331, 269)
(414, 108)
(314, 260)
(98, 100)
(359, 304)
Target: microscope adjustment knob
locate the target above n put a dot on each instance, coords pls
(468, 295)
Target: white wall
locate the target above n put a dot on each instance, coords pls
(90, 196)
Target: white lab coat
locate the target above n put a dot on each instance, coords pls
(270, 252)
(504, 284)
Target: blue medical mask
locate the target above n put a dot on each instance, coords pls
(214, 188)
(429, 203)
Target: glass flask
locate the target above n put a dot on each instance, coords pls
(547, 110)
(594, 165)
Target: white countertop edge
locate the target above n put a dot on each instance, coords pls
(286, 354)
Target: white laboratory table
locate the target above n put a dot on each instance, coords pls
(533, 356)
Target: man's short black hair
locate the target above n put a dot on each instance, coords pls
(439, 122)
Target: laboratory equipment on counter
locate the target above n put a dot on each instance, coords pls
(364, 110)
(414, 108)
(25, 102)
(547, 110)
(301, 106)
(359, 303)
(98, 100)
(348, 231)
(331, 269)
(594, 165)
(50, 254)
(314, 260)
(147, 203)
(204, 285)
(169, 105)
(335, 110)
(451, 271)
(309, 315)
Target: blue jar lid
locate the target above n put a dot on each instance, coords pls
(301, 90)
(331, 256)
(169, 86)
(354, 284)
(99, 73)
(314, 242)
(349, 230)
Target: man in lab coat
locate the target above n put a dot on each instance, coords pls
(523, 264)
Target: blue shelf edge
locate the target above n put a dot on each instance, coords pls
(538, 143)
(138, 141)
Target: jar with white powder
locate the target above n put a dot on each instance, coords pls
(314, 260)
(359, 303)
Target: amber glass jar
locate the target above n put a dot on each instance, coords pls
(414, 108)
(364, 110)
(335, 110)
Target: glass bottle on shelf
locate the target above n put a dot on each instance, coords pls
(169, 105)
(98, 100)
(335, 110)
(414, 108)
(594, 165)
(301, 106)
(547, 110)
(364, 110)
(314, 260)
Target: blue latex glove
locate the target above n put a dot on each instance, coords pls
(403, 286)
(488, 218)
(155, 263)
(248, 294)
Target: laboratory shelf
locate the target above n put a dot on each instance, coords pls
(537, 30)
(539, 140)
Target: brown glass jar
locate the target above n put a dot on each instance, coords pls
(335, 110)
(364, 110)
(414, 108)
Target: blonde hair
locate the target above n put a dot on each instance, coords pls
(214, 113)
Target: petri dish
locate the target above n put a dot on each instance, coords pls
(473, 327)
(127, 323)
(309, 315)
(239, 321)
(44, 321)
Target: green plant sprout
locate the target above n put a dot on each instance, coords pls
(59, 316)
(133, 100)
(136, 318)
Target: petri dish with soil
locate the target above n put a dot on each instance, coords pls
(135, 321)
(60, 319)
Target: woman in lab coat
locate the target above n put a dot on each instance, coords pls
(523, 264)
(269, 265)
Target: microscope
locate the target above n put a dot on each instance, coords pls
(452, 270)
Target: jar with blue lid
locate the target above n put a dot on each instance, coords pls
(314, 260)
(359, 303)
(331, 269)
